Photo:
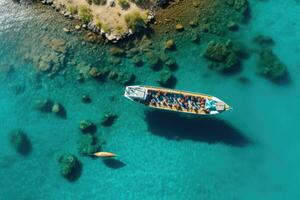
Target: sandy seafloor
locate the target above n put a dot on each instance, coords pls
(249, 153)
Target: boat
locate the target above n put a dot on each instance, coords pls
(176, 100)
(104, 154)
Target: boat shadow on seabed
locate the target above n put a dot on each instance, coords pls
(172, 125)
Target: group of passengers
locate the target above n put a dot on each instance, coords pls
(177, 101)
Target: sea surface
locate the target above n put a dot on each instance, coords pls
(249, 153)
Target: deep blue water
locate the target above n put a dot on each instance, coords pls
(249, 153)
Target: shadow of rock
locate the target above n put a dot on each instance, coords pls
(177, 126)
(233, 70)
(26, 149)
(76, 173)
(243, 80)
(113, 163)
(21, 142)
(247, 14)
(283, 80)
(171, 83)
(62, 113)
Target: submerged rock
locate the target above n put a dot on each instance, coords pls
(193, 23)
(216, 51)
(59, 110)
(232, 26)
(195, 38)
(92, 38)
(170, 45)
(270, 65)
(77, 27)
(263, 40)
(56, 108)
(88, 145)
(169, 62)
(69, 166)
(165, 77)
(123, 78)
(80, 77)
(21, 142)
(179, 27)
(115, 51)
(44, 105)
(94, 72)
(137, 61)
(154, 61)
(87, 126)
(222, 55)
(239, 5)
(108, 119)
(49, 56)
(86, 99)
(99, 74)
(116, 61)
(66, 30)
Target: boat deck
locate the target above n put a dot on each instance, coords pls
(176, 100)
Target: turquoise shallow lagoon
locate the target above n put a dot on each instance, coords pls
(249, 153)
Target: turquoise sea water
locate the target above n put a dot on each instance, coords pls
(249, 153)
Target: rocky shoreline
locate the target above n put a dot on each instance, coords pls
(92, 26)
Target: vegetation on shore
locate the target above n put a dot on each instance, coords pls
(85, 14)
(114, 19)
(136, 20)
(124, 4)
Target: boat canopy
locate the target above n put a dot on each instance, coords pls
(136, 93)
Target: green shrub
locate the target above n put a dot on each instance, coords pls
(135, 20)
(85, 14)
(124, 4)
(105, 28)
(98, 23)
(143, 2)
(72, 9)
(119, 30)
(99, 2)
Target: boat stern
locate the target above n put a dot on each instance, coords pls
(136, 93)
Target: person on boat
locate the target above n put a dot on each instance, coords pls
(180, 102)
(164, 101)
(178, 107)
(186, 105)
(152, 102)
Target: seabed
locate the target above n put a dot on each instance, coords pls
(61, 99)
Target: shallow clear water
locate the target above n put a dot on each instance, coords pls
(249, 153)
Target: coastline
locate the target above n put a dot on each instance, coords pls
(109, 19)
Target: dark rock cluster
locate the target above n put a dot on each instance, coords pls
(240, 5)
(270, 65)
(88, 145)
(21, 142)
(70, 166)
(221, 55)
(166, 78)
(108, 119)
(48, 106)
